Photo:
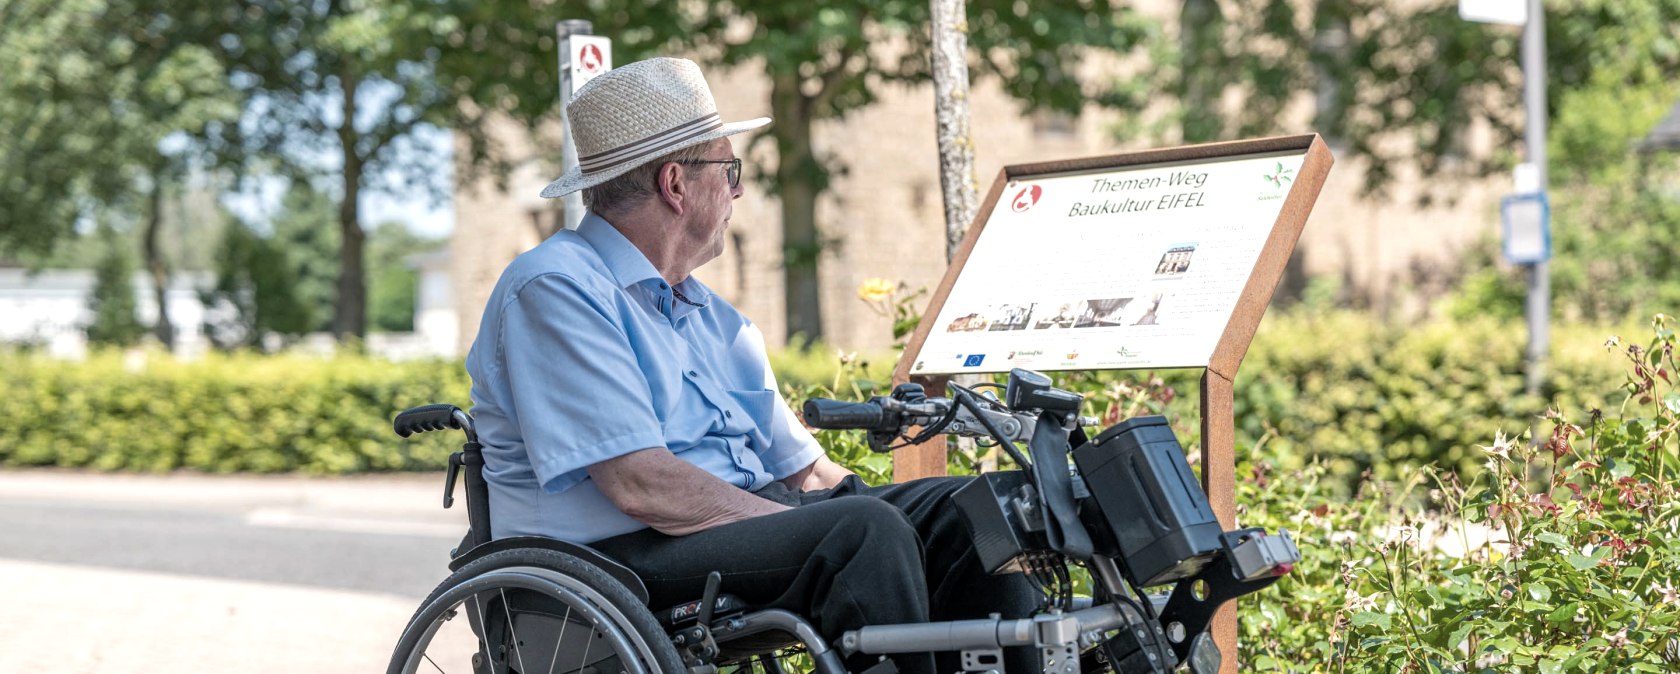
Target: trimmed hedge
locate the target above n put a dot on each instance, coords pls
(1357, 393)
(223, 414)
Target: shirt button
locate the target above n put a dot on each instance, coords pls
(728, 414)
(664, 287)
(692, 373)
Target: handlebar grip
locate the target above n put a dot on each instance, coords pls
(426, 418)
(834, 414)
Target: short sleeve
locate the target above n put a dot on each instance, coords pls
(791, 447)
(577, 390)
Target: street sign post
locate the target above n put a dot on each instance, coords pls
(582, 57)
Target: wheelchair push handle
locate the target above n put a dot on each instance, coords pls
(433, 418)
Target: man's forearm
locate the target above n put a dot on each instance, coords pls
(823, 473)
(658, 489)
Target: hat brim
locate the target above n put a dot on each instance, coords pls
(575, 179)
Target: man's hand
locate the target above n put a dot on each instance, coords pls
(671, 495)
(823, 473)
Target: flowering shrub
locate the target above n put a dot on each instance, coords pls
(1562, 555)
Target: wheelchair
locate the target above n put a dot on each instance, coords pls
(1127, 509)
(530, 604)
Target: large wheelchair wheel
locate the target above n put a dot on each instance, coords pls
(533, 611)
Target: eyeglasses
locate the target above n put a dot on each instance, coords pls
(733, 169)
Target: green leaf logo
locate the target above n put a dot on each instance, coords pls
(1279, 176)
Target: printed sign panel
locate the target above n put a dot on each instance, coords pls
(1128, 268)
(591, 56)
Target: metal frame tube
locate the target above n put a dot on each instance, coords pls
(961, 635)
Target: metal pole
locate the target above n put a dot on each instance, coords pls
(573, 203)
(1539, 277)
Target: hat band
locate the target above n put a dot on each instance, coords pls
(651, 146)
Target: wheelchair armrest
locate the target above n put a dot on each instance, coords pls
(619, 572)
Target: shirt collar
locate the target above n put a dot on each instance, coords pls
(627, 263)
(630, 267)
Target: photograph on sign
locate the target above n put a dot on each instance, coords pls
(1134, 267)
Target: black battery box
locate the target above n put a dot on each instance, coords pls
(1153, 505)
(1004, 518)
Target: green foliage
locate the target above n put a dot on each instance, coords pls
(90, 93)
(392, 280)
(1614, 212)
(1361, 396)
(1405, 86)
(306, 237)
(112, 302)
(255, 292)
(226, 413)
(1561, 556)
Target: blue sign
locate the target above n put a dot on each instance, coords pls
(1526, 226)
(974, 360)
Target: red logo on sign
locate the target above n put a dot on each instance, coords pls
(591, 59)
(1026, 198)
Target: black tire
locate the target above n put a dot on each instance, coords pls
(530, 587)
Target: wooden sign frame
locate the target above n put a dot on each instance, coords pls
(1218, 422)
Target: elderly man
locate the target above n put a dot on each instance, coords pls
(624, 405)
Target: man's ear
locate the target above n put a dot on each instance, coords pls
(672, 190)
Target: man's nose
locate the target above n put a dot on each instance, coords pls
(738, 190)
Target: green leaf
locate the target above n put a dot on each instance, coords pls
(1564, 613)
(1553, 538)
(1368, 618)
(1550, 667)
(1539, 591)
(1581, 562)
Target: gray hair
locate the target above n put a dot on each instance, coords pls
(637, 184)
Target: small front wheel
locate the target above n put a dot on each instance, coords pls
(530, 611)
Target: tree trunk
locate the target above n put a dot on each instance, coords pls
(156, 266)
(962, 200)
(950, 108)
(798, 176)
(350, 313)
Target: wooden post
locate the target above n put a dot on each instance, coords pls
(1219, 481)
(926, 459)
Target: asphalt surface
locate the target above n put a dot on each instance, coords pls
(215, 574)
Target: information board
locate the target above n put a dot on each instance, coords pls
(1113, 263)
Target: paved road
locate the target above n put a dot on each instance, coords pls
(194, 573)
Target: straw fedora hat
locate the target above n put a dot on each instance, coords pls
(633, 114)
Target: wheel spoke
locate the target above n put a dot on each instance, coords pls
(513, 635)
(587, 639)
(428, 658)
(554, 660)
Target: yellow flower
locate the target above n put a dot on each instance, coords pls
(876, 290)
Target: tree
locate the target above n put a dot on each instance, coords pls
(333, 90)
(112, 300)
(822, 61)
(93, 92)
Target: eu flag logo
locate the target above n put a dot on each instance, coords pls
(974, 360)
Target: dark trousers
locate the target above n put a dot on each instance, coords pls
(844, 558)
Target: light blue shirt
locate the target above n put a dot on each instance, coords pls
(585, 355)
